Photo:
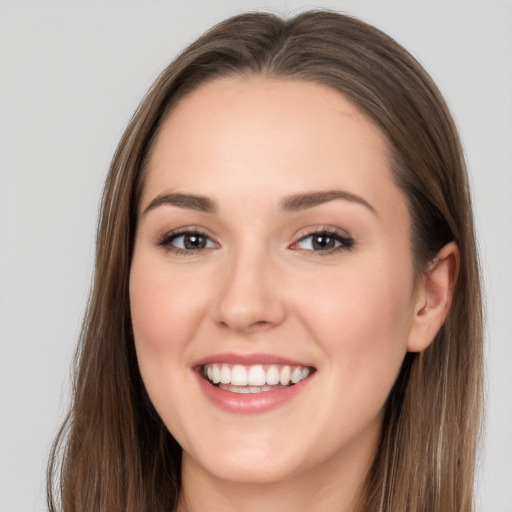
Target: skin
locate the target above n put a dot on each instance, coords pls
(259, 287)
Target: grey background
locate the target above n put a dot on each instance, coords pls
(71, 74)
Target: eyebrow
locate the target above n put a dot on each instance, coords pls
(187, 201)
(309, 200)
(292, 203)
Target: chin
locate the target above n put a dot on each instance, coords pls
(247, 464)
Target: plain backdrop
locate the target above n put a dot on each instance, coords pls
(71, 74)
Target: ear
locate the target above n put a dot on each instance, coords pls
(434, 298)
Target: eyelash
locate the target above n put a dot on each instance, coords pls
(344, 241)
(166, 241)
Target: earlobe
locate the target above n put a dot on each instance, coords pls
(434, 298)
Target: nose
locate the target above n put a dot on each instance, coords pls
(249, 298)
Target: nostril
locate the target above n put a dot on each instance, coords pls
(261, 324)
(246, 326)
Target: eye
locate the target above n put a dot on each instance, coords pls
(326, 241)
(187, 241)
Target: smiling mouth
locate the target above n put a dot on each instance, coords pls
(257, 378)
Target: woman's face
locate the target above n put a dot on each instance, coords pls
(272, 252)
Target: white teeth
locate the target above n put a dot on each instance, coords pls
(273, 375)
(296, 375)
(284, 378)
(245, 389)
(254, 379)
(238, 375)
(225, 374)
(257, 376)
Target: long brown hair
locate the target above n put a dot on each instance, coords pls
(113, 453)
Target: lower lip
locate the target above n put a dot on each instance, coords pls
(250, 403)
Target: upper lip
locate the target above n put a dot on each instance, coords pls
(248, 359)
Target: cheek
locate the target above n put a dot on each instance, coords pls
(164, 306)
(361, 318)
(166, 309)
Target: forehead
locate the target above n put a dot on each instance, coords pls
(262, 135)
(259, 106)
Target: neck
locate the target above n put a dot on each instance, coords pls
(333, 487)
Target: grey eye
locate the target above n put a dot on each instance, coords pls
(191, 241)
(324, 241)
(319, 242)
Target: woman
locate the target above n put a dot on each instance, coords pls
(286, 307)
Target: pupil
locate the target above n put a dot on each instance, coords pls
(323, 242)
(194, 242)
